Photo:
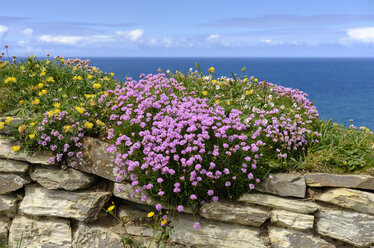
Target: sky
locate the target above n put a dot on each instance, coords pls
(193, 28)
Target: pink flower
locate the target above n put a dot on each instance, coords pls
(196, 225)
(158, 207)
(180, 208)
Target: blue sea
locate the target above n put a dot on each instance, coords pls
(341, 88)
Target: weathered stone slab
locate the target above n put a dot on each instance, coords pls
(82, 206)
(351, 227)
(13, 166)
(141, 231)
(239, 213)
(8, 205)
(89, 236)
(279, 203)
(131, 213)
(7, 153)
(4, 228)
(345, 181)
(292, 220)
(57, 178)
(12, 182)
(214, 234)
(96, 159)
(288, 238)
(284, 184)
(36, 233)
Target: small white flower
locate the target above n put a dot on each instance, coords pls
(217, 87)
(167, 71)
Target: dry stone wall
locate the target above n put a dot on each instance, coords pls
(45, 206)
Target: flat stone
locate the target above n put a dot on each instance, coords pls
(345, 181)
(284, 184)
(13, 166)
(37, 158)
(292, 220)
(279, 203)
(96, 160)
(239, 213)
(214, 234)
(57, 178)
(287, 238)
(8, 205)
(131, 213)
(36, 233)
(12, 182)
(351, 227)
(349, 198)
(82, 206)
(141, 231)
(4, 228)
(89, 236)
(10, 131)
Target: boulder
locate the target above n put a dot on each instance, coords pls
(13, 166)
(35, 233)
(57, 178)
(284, 184)
(12, 182)
(351, 227)
(345, 181)
(82, 206)
(234, 213)
(287, 238)
(292, 220)
(279, 203)
(8, 205)
(349, 198)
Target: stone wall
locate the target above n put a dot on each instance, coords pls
(45, 206)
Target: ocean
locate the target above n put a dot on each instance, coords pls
(341, 88)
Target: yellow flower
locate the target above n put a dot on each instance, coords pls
(21, 102)
(214, 81)
(111, 74)
(217, 101)
(64, 95)
(248, 92)
(57, 105)
(100, 123)
(66, 128)
(150, 214)
(111, 208)
(8, 120)
(15, 148)
(211, 70)
(31, 136)
(89, 76)
(32, 124)
(344, 162)
(245, 80)
(40, 85)
(164, 221)
(88, 125)
(79, 109)
(50, 80)
(51, 113)
(21, 128)
(42, 93)
(88, 96)
(2, 125)
(205, 93)
(77, 78)
(106, 78)
(35, 102)
(255, 80)
(62, 60)
(43, 73)
(47, 62)
(228, 102)
(96, 86)
(94, 69)
(10, 79)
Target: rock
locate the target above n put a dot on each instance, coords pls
(4, 228)
(141, 231)
(12, 182)
(131, 213)
(82, 206)
(292, 220)
(13, 166)
(36, 233)
(345, 181)
(349, 198)
(10, 131)
(351, 227)
(7, 153)
(8, 205)
(287, 238)
(239, 214)
(279, 203)
(214, 234)
(57, 178)
(89, 236)
(96, 160)
(284, 184)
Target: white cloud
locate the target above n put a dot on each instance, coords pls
(3, 29)
(365, 35)
(28, 31)
(68, 40)
(271, 42)
(133, 35)
(213, 37)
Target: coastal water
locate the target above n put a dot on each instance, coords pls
(341, 88)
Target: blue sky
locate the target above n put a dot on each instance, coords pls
(204, 28)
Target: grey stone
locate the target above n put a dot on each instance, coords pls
(10, 131)
(96, 160)
(141, 231)
(82, 206)
(287, 238)
(279, 203)
(12, 182)
(238, 213)
(8, 205)
(4, 228)
(351, 227)
(131, 213)
(345, 181)
(91, 235)
(284, 184)
(57, 178)
(13, 166)
(36, 233)
(37, 158)
(292, 220)
(349, 198)
(214, 234)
